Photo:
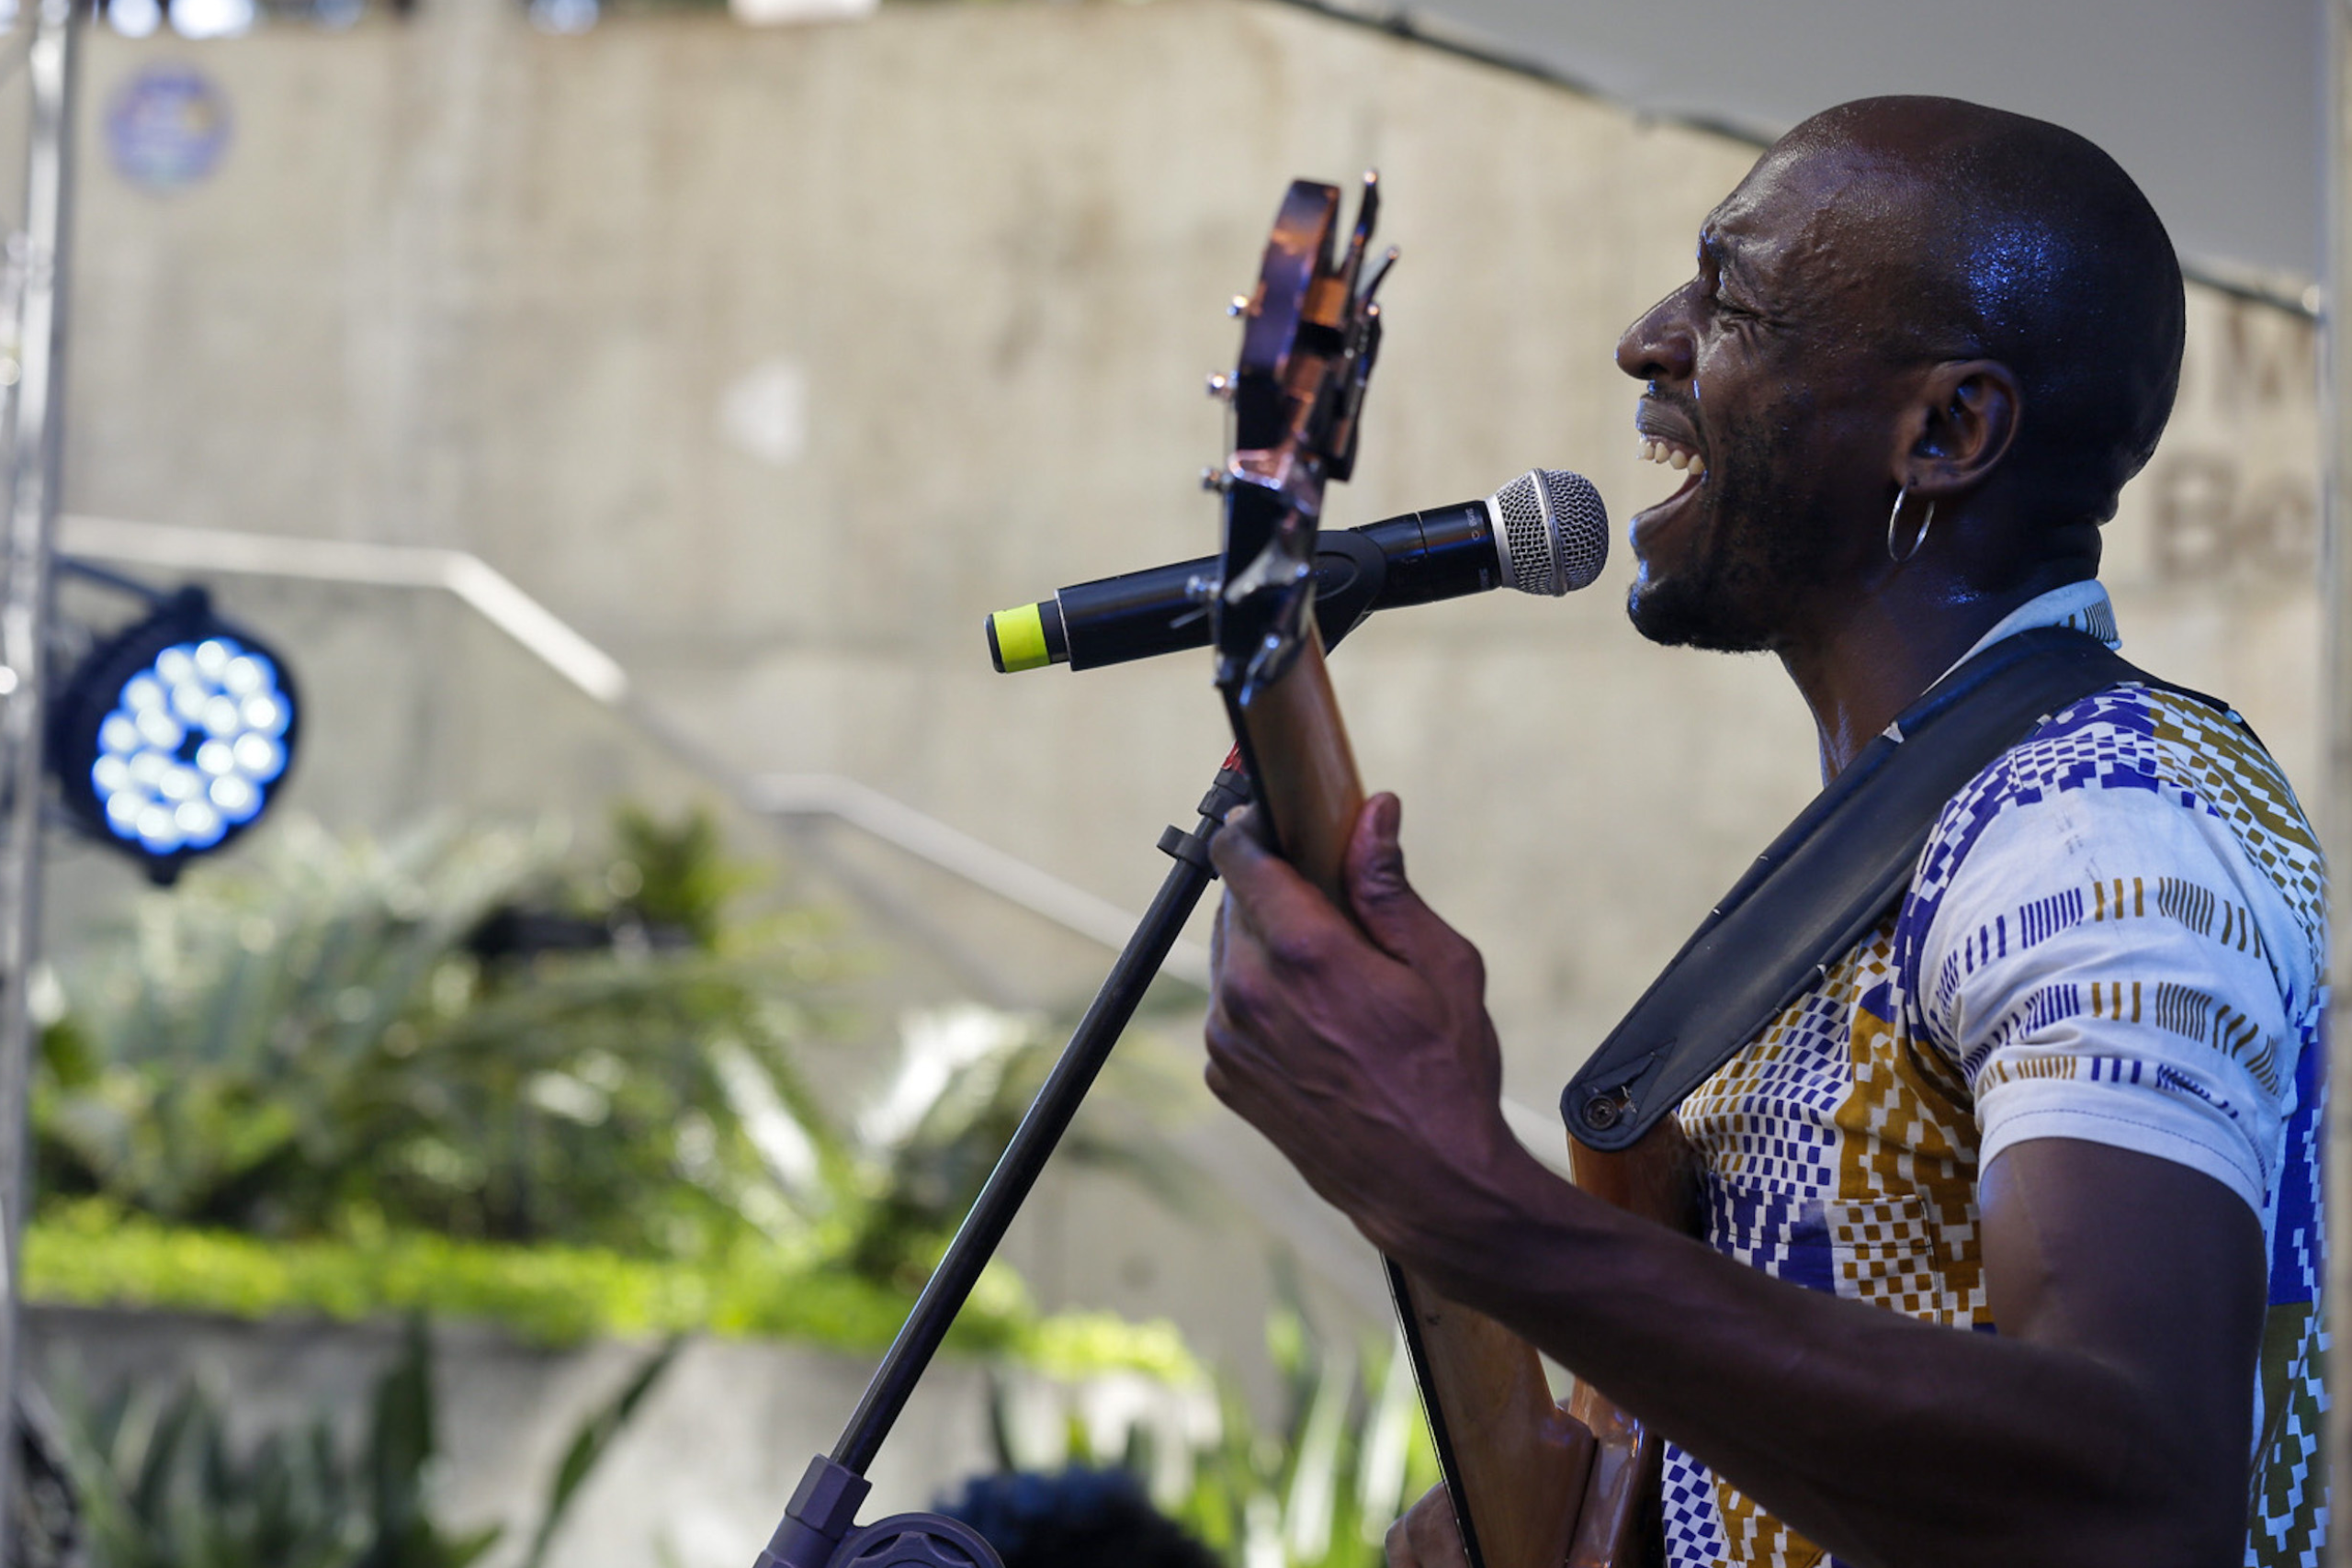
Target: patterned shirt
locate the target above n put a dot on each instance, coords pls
(2115, 932)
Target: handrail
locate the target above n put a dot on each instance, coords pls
(951, 850)
(481, 586)
(483, 589)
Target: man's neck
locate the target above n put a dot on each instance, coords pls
(1868, 662)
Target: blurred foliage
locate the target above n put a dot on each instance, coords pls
(162, 1486)
(481, 1036)
(676, 878)
(315, 1041)
(1347, 1451)
(914, 1158)
(1075, 1344)
(89, 1254)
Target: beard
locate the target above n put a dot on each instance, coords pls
(1751, 559)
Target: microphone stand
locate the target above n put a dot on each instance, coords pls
(818, 1530)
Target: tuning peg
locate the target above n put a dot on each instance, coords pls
(1220, 385)
(1215, 480)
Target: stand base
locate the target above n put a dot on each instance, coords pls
(818, 1531)
(823, 1509)
(918, 1540)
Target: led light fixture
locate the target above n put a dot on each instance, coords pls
(173, 736)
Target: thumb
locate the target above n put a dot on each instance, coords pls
(1391, 913)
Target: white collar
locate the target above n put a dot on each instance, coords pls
(2081, 606)
(2084, 606)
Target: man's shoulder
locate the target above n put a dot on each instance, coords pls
(2136, 764)
(2151, 739)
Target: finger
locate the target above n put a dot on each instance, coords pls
(1437, 1536)
(1219, 1082)
(1426, 1536)
(1248, 818)
(1217, 942)
(1238, 835)
(1391, 912)
(1236, 1068)
(1289, 915)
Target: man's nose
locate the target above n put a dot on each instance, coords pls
(1658, 346)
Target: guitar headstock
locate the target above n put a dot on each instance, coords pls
(1310, 332)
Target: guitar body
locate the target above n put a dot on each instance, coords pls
(1657, 1178)
(1535, 1484)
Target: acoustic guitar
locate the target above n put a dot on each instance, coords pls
(1534, 1484)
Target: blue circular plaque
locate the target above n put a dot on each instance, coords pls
(167, 127)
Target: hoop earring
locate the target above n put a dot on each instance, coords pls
(1919, 539)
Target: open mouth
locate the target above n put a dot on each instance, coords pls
(1674, 455)
(1670, 451)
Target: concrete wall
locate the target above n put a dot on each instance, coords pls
(544, 297)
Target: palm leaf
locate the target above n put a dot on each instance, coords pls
(589, 1443)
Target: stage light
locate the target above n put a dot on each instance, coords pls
(173, 736)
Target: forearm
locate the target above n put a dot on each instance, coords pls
(2107, 1423)
(1883, 1439)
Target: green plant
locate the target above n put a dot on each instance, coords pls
(342, 1037)
(162, 1486)
(85, 1254)
(89, 1254)
(588, 1446)
(675, 875)
(1320, 1488)
(317, 1040)
(908, 1165)
(1317, 1489)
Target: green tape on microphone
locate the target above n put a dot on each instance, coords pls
(1028, 637)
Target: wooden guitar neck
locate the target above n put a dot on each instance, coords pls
(1533, 1485)
(1520, 1466)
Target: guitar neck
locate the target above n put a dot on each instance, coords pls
(1516, 1465)
(1302, 768)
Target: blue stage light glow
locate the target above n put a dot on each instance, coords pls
(174, 735)
(192, 746)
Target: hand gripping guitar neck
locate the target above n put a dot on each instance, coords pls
(1532, 1487)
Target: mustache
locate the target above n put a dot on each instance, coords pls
(1685, 404)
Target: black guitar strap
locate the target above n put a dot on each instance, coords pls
(1830, 877)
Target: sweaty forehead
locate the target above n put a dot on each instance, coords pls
(1817, 227)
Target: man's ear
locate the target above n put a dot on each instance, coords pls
(1959, 427)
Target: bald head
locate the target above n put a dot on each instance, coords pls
(2000, 237)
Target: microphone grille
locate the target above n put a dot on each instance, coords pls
(1553, 532)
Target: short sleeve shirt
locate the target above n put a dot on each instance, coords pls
(2115, 932)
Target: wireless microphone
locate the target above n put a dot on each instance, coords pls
(1545, 531)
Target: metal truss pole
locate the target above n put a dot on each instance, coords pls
(33, 447)
(2335, 404)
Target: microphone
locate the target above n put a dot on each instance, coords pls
(1545, 531)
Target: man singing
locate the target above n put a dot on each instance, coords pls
(2009, 1238)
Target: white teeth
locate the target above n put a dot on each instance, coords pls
(1653, 450)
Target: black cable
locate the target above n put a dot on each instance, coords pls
(76, 567)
